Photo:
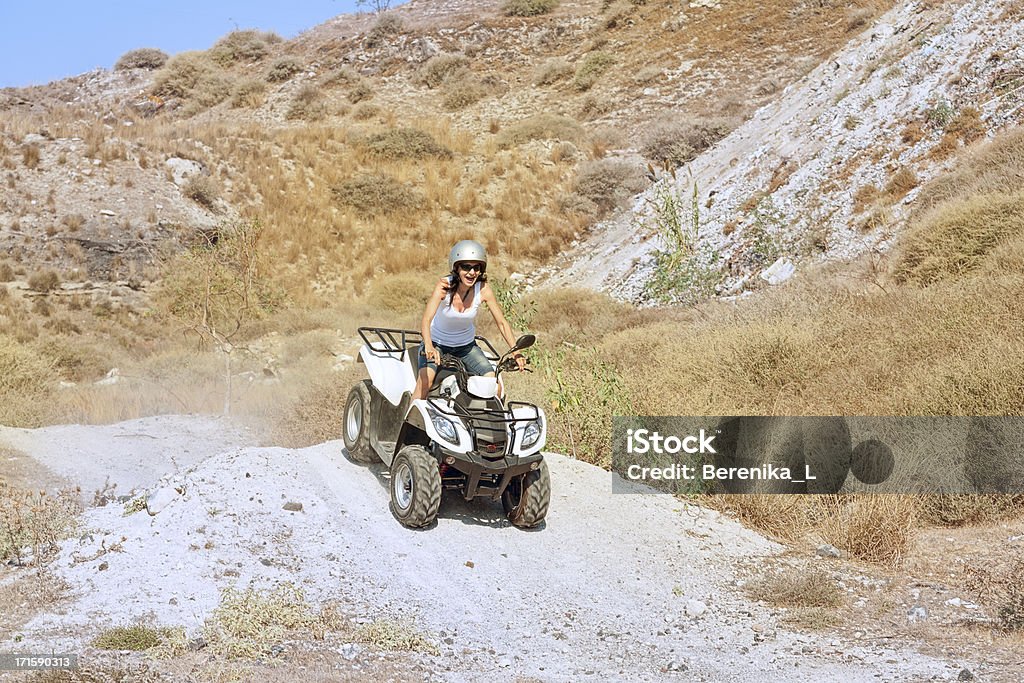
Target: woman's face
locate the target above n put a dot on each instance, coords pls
(469, 271)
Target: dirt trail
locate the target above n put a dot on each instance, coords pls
(625, 587)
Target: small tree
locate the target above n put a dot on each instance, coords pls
(216, 287)
(376, 6)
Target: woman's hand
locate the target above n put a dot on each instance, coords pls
(432, 354)
(520, 360)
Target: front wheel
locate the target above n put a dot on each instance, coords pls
(526, 498)
(415, 486)
(356, 430)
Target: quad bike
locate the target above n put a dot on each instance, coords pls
(464, 436)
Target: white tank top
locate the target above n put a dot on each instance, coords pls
(455, 328)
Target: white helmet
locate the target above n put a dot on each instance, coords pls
(467, 250)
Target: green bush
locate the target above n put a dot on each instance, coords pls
(307, 105)
(541, 127)
(181, 74)
(142, 58)
(128, 638)
(243, 46)
(441, 68)
(284, 69)
(590, 69)
(528, 8)
(405, 143)
(248, 93)
(462, 94)
(376, 194)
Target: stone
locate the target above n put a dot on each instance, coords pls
(160, 499)
(778, 272)
(965, 675)
(292, 506)
(183, 169)
(827, 550)
(695, 608)
(917, 613)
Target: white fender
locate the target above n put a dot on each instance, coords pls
(390, 372)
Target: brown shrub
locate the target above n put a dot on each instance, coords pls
(308, 105)
(679, 142)
(243, 46)
(44, 281)
(377, 194)
(541, 127)
(608, 182)
(284, 69)
(441, 68)
(528, 8)
(405, 143)
(912, 133)
(968, 125)
(202, 190)
(148, 58)
(248, 93)
(900, 183)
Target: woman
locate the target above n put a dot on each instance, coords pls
(448, 324)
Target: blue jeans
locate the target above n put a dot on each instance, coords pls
(471, 355)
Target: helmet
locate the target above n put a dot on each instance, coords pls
(467, 250)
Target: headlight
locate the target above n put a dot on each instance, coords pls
(531, 434)
(445, 428)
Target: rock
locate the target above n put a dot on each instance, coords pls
(156, 502)
(172, 601)
(516, 277)
(291, 506)
(778, 272)
(265, 562)
(197, 644)
(33, 138)
(107, 212)
(678, 665)
(917, 613)
(112, 377)
(277, 650)
(349, 651)
(965, 675)
(504, 662)
(695, 608)
(183, 169)
(955, 602)
(827, 550)
(103, 567)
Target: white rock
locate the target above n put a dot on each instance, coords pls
(695, 608)
(107, 212)
(183, 169)
(113, 377)
(778, 272)
(159, 500)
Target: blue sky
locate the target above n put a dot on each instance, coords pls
(44, 40)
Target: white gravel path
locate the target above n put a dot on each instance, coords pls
(601, 592)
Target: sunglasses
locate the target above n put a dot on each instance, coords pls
(474, 268)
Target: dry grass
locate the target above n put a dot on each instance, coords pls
(957, 238)
(528, 8)
(247, 623)
(590, 69)
(1001, 587)
(21, 598)
(796, 587)
(34, 520)
(377, 194)
(541, 127)
(900, 183)
(877, 528)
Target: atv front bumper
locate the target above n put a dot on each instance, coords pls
(483, 475)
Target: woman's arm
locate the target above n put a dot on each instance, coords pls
(428, 316)
(499, 319)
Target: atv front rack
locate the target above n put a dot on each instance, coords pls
(388, 340)
(486, 415)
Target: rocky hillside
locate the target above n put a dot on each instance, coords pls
(831, 169)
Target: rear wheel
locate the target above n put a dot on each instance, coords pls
(526, 498)
(356, 427)
(415, 486)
